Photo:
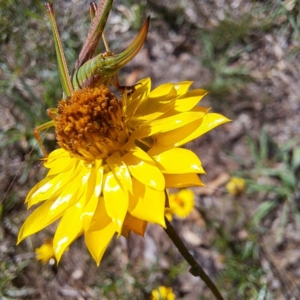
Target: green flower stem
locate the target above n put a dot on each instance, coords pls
(195, 269)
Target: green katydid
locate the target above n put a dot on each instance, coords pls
(90, 71)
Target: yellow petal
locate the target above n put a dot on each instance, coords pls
(59, 168)
(120, 171)
(134, 224)
(101, 231)
(45, 190)
(159, 101)
(166, 124)
(54, 156)
(143, 168)
(165, 90)
(91, 177)
(69, 195)
(88, 212)
(189, 100)
(43, 185)
(172, 137)
(177, 161)
(36, 221)
(92, 204)
(142, 89)
(68, 229)
(97, 241)
(71, 224)
(182, 180)
(168, 214)
(99, 180)
(210, 121)
(182, 87)
(58, 162)
(147, 204)
(131, 102)
(116, 200)
(100, 219)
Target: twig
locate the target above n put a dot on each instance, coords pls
(195, 269)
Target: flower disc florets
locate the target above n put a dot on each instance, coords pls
(90, 124)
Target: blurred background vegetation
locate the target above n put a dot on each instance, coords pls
(246, 54)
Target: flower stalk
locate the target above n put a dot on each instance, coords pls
(196, 270)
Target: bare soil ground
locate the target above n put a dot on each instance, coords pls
(246, 53)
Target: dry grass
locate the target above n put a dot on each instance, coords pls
(246, 53)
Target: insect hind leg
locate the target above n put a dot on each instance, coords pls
(37, 131)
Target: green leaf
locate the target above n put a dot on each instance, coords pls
(263, 210)
(263, 143)
(283, 222)
(286, 176)
(253, 150)
(296, 158)
(262, 294)
(289, 179)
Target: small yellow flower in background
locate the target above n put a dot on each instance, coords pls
(116, 159)
(236, 186)
(45, 252)
(181, 204)
(168, 213)
(163, 293)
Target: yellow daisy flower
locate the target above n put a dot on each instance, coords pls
(45, 252)
(116, 159)
(236, 186)
(182, 203)
(163, 293)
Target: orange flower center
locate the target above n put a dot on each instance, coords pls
(90, 124)
(180, 201)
